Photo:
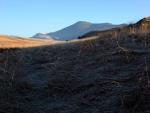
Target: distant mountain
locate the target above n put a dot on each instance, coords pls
(76, 30)
(141, 26)
(40, 35)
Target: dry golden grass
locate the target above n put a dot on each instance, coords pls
(18, 42)
(13, 42)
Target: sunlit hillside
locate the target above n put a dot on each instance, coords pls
(18, 42)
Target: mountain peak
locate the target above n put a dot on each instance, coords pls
(83, 23)
(86, 22)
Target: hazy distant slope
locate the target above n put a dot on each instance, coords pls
(76, 30)
(40, 35)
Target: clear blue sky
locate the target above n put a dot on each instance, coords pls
(27, 17)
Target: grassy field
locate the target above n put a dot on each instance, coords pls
(17, 42)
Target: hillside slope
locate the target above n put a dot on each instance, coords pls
(13, 42)
(142, 26)
(101, 75)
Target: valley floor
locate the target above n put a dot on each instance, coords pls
(103, 75)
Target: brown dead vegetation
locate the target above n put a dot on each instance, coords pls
(16, 42)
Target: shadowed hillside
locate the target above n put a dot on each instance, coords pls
(101, 75)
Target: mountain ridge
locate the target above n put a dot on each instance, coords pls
(76, 30)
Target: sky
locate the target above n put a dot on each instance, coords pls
(28, 17)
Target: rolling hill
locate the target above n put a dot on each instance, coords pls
(15, 42)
